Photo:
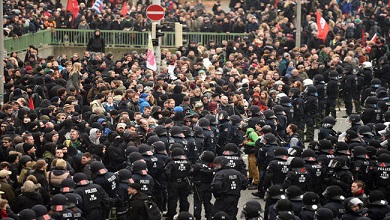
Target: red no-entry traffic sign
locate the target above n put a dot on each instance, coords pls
(155, 12)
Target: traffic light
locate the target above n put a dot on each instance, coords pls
(156, 32)
(180, 36)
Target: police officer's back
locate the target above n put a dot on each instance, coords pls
(334, 196)
(122, 204)
(202, 172)
(235, 161)
(96, 200)
(226, 187)
(101, 176)
(177, 172)
(141, 176)
(378, 204)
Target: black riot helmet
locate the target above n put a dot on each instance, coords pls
(329, 120)
(311, 201)
(198, 131)
(159, 147)
(334, 75)
(275, 192)
(281, 153)
(251, 209)
(207, 156)
(334, 192)
(309, 155)
(338, 163)
(371, 102)
(230, 149)
(221, 160)
(235, 119)
(285, 101)
(375, 83)
(294, 193)
(124, 176)
(255, 110)
(377, 197)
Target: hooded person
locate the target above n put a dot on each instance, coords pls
(96, 43)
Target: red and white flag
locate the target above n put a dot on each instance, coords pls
(73, 7)
(323, 27)
(374, 38)
(125, 9)
(151, 59)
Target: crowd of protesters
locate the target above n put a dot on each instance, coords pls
(86, 133)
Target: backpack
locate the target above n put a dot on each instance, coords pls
(152, 210)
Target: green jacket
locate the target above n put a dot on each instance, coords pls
(251, 136)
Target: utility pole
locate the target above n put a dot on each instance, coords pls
(157, 49)
(1, 55)
(298, 24)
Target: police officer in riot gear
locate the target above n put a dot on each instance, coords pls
(202, 173)
(350, 85)
(277, 169)
(96, 200)
(298, 175)
(339, 174)
(311, 203)
(366, 134)
(326, 128)
(107, 180)
(360, 166)
(325, 153)
(122, 205)
(151, 161)
(226, 187)
(372, 90)
(282, 121)
(177, 172)
(380, 175)
(285, 102)
(298, 105)
(295, 194)
(271, 120)
(314, 168)
(237, 134)
(256, 116)
(160, 186)
(332, 93)
(379, 206)
(163, 133)
(178, 137)
(235, 161)
(372, 114)
(274, 193)
(310, 110)
(59, 208)
(141, 176)
(383, 100)
(199, 138)
(193, 152)
(225, 131)
(319, 83)
(209, 137)
(252, 210)
(334, 196)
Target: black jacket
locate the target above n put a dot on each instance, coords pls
(137, 209)
(27, 200)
